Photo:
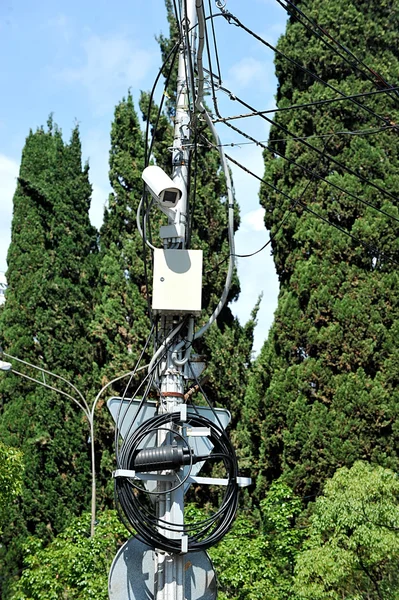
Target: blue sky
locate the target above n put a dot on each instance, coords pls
(78, 59)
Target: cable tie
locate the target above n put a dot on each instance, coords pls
(183, 412)
(198, 432)
(123, 473)
(184, 544)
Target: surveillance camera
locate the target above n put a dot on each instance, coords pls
(162, 187)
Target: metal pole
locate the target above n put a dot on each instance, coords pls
(169, 568)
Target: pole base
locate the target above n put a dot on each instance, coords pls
(132, 574)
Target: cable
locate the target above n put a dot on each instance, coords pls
(214, 43)
(213, 87)
(307, 170)
(285, 217)
(322, 136)
(324, 32)
(200, 68)
(230, 199)
(374, 250)
(301, 67)
(331, 158)
(141, 516)
(256, 113)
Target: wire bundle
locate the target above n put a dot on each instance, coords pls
(132, 499)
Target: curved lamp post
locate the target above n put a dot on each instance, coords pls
(81, 403)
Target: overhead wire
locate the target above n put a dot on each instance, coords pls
(147, 154)
(279, 109)
(301, 67)
(307, 170)
(318, 151)
(293, 10)
(321, 136)
(214, 43)
(285, 217)
(374, 250)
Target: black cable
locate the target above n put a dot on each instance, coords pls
(373, 249)
(172, 53)
(213, 87)
(310, 172)
(331, 158)
(297, 106)
(322, 136)
(149, 380)
(144, 521)
(285, 217)
(214, 43)
(147, 153)
(371, 73)
(189, 76)
(301, 67)
(177, 10)
(192, 196)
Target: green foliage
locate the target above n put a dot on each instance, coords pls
(73, 565)
(353, 546)
(255, 561)
(324, 390)
(120, 324)
(52, 264)
(11, 469)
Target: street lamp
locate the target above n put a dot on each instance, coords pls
(82, 403)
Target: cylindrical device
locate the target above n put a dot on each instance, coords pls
(162, 458)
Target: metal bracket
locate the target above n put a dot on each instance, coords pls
(241, 481)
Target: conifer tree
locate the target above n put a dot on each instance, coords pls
(324, 392)
(51, 276)
(121, 325)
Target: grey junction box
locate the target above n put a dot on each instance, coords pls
(177, 283)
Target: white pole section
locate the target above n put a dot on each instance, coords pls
(169, 568)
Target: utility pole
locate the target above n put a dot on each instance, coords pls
(164, 444)
(169, 580)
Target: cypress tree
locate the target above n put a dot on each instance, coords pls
(323, 392)
(51, 275)
(120, 325)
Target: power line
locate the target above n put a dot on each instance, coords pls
(318, 151)
(256, 113)
(307, 170)
(301, 67)
(359, 132)
(371, 73)
(285, 217)
(375, 251)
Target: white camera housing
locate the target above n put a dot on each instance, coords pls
(162, 188)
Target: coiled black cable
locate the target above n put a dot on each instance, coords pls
(139, 512)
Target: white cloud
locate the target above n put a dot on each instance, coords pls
(254, 220)
(8, 181)
(247, 72)
(111, 65)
